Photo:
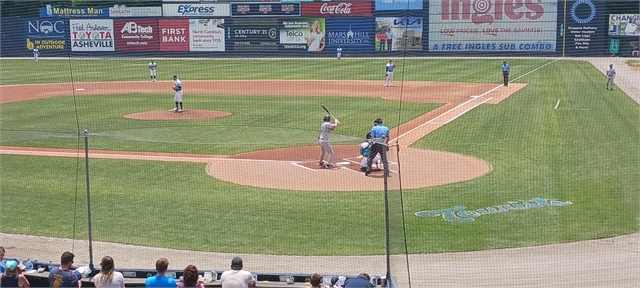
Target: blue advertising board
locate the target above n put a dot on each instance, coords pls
(50, 11)
(586, 28)
(265, 9)
(398, 5)
(350, 34)
(46, 33)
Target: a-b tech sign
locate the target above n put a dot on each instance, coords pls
(45, 34)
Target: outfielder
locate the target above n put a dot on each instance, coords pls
(177, 86)
(365, 149)
(339, 53)
(36, 53)
(152, 70)
(611, 73)
(323, 140)
(389, 73)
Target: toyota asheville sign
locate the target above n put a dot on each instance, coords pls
(336, 9)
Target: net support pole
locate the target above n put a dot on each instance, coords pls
(85, 134)
(385, 162)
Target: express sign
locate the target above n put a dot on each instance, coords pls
(329, 9)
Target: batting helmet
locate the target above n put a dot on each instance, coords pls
(378, 121)
(326, 118)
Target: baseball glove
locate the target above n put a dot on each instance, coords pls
(175, 88)
(386, 74)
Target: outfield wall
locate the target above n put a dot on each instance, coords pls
(419, 28)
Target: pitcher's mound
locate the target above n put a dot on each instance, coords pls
(171, 115)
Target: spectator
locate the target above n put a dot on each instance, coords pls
(108, 277)
(2, 267)
(190, 278)
(160, 280)
(338, 281)
(62, 276)
(236, 277)
(315, 280)
(12, 276)
(362, 281)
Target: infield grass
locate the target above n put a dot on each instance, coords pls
(584, 152)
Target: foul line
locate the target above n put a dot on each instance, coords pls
(465, 111)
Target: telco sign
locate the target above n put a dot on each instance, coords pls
(399, 5)
(195, 10)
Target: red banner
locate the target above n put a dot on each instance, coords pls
(336, 9)
(173, 35)
(136, 34)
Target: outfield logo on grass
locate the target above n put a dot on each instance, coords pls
(459, 214)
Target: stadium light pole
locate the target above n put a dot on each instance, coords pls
(86, 135)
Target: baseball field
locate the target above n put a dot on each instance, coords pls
(552, 158)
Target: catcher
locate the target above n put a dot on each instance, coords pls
(389, 73)
(177, 86)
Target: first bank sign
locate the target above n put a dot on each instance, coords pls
(50, 11)
(195, 10)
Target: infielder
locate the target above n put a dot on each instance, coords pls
(36, 53)
(365, 149)
(152, 70)
(389, 73)
(505, 73)
(177, 86)
(611, 73)
(323, 140)
(339, 52)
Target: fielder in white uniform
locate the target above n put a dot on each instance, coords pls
(177, 86)
(339, 51)
(389, 73)
(152, 70)
(611, 74)
(323, 140)
(36, 53)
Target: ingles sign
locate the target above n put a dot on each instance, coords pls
(74, 12)
(195, 10)
(336, 9)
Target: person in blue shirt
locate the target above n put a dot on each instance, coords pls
(63, 276)
(505, 73)
(160, 280)
(362, 281)
(380, 140)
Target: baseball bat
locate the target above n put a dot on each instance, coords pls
(325, 109)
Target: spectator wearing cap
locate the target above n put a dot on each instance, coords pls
(362, 281)
(160, 280)
(236, 277)
(12, 276)
(2, 262)
(63, 276)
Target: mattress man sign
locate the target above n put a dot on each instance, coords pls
(91, 35)
(492, 25)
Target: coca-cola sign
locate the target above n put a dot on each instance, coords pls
(336, 9)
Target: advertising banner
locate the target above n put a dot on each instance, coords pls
(136, 35)
(265, 9)
(195, 10)
(206, 34)
(253, 34)
(91, 35)
(303, 34)
(585, 31)
(353, 35)
(399, 5)
(50, 11)
(398, 33)
(124, 11)
(492, 25)
(46, 34)
(174, 34)
(624, 25)
(336, 9)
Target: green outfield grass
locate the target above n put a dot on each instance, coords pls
(633, 63)
(582, 149)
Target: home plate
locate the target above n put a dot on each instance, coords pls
(79, 89)
(343, 163)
